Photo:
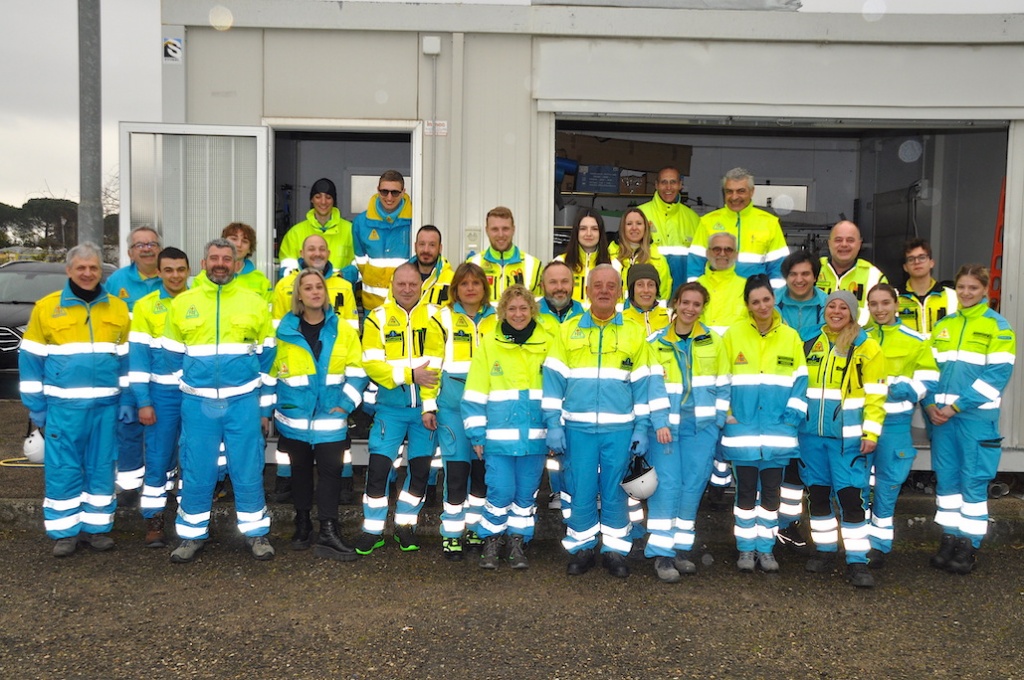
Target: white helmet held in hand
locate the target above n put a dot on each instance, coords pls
(641, 479)
(34, 447)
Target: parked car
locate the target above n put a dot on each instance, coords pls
(22, 283)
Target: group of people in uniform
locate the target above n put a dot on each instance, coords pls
(701, 344)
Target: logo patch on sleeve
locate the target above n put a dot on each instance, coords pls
(740, 360)
(496, 369)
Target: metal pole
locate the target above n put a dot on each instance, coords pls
(90, 128)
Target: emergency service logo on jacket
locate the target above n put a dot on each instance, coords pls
(740, 360)
(192, 312)
(496, 369)
(374, 236)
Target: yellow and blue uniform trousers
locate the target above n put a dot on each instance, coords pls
(73, 365)
(596, 381)
(690, 388)
(453, 337)
(393, 344)
(129, 285)
(155, 384)
(221, 339)
(760, 243)
(910, 373)
(501, 411)
(768, 403)
(846, 403)
(975, 350)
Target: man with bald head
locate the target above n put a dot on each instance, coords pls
(844, 270)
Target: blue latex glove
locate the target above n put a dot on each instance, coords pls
(638, 446)
(39, 418)
(127, 414)
(556, 439)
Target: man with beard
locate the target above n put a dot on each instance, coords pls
(220, 337)
(432, 266)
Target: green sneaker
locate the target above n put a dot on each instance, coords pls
(451, 548)
(405, 536)
(366, 543)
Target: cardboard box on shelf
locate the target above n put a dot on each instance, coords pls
(568, 184)
(632, 182)
(623, 153)
(598, 179)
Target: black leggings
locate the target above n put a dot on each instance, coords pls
(328, 459)
(463, 478)
(746, 487)
(379, 469)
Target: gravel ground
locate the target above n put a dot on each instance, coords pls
(131, 613)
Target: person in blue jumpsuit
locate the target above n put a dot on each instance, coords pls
(596, 381)
(975, 349)
(220, 337)
(910, 372)
(689, 403)
(768, 404)
(73, 363)
(156, 392)
(503, 421)
(131, 284)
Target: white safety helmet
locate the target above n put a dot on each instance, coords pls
(641, 479)
(34, 446)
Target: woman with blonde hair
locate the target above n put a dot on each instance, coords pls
(502, 415)
(633, 246)
(846, 395)
(319, 381)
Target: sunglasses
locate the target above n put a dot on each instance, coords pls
(718, 250)
(394, 193)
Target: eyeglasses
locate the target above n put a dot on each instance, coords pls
(146, 244)
(719, 250)
(394, 193)
(914, 259)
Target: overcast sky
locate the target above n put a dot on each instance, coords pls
(39, 101)
(39, 77)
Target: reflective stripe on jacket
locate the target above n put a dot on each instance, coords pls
(148, 361)
(909, 368)
(221, 338)
(306, 389)
(759, 240)
(692, 372)
(393, 344)
(74, 350)
(846, 403)
(975, 350)
(382, 243)
(452, 338)
(767, 396)
(599, 376)
(501, 409)
(509, 268)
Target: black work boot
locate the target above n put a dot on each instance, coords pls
(303, 529)
(516, 556)
(963, 558)
(947, 545)
(489, 555)
(330, 544)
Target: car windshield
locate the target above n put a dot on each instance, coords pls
(22, 287)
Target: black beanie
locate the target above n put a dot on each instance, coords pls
(641, 271)
(324, 186)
